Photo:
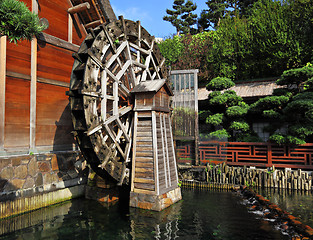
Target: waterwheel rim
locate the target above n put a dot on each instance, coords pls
(111, 61)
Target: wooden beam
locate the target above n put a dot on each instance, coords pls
(58, 42)
(41, 80)
(134, 152)
(70, 29)
(33, 87)
(79, 8)
(155, 153)
(3, 42)
(93, 24)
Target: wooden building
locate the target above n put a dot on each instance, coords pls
(35, 75)
(154, 183)
(37, 150)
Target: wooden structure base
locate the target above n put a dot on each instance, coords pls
(155, 202)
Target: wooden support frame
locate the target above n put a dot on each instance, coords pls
(3, 46)
(33, 88)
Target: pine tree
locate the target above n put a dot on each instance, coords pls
(182, 17)
(17, 21)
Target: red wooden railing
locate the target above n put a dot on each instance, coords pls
(251, 154)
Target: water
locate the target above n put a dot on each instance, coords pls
(200, 215)
(297, 203)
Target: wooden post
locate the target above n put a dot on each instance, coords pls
(93, 24)
(33, 88)
(70, 29)
(79, 8)
(3, 42)
(196, 117)
(269, 154)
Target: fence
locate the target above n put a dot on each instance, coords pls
(250, 154)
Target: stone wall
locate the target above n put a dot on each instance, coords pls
(26, 176)
(250, 176)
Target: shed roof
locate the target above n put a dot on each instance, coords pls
(247, 89)
(152, 86)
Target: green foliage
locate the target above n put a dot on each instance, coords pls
(278, 138)
(297, 76)
(171, 49)
(227, 111)
(221, 135)
(216, 119)
(239, 126)
(237, 111)
(189, 52)
(182, 17)
(219, 83)
(17, 22)
(271, 114)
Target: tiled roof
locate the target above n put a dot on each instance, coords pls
(247, 89)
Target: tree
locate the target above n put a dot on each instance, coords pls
(219, 9)
(188, 51)
(182, 17)
(17, 22)
(290, 107)
(226, 111)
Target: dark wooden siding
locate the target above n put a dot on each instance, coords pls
(54, 63)
(18, 57)
(17, 113)
(52, 120)
(53, 123)
(55, 11)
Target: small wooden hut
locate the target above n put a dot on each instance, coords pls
(154, 183)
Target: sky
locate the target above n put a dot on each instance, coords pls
(150, 13)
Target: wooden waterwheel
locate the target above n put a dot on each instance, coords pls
(111, 61)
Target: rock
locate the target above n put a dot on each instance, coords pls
(32, 167)
(18, 183)
(7, 173)
(5, 163)
(44, 167)
(29, 183)
(39, 180)
(54, 163)
(20, 172)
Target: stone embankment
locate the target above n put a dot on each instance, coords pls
(249, 176)
(30, 182)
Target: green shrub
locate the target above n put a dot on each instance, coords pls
(18, 22)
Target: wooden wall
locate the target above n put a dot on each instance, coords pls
(34, 77)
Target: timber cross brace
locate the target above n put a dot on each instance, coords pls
(120, 111)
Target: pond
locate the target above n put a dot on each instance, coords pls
(200, 215)
(297, 203)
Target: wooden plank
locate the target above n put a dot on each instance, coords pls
(3, 47)
(144, 186)
(163, 150)
(166, 151)
(33, 93)
(155, 153)
(58, 42)
(134, 152)
(144, 165)
(143, 191)
(142, 170)
(144, 180)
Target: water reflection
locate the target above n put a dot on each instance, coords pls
(201, 215)
(298, 203)
(158, 225)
